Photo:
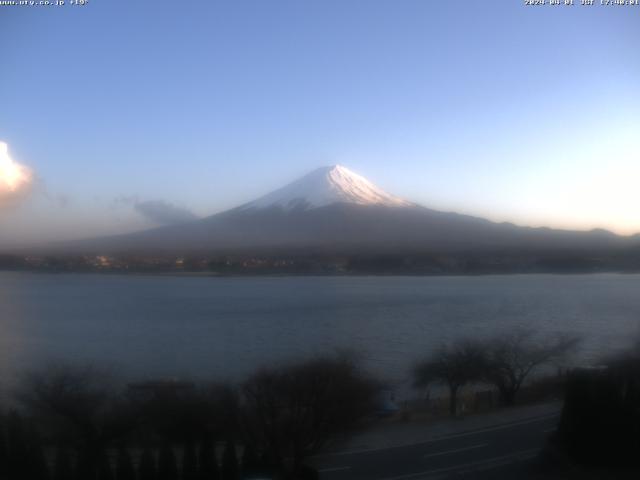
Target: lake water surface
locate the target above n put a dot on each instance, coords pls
(207, 327)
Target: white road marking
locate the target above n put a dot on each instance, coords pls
(445, 437)
(447, 452)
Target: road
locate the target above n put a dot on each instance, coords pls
(499, 448)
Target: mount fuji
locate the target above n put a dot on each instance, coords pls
(333, 210)
(327, 186)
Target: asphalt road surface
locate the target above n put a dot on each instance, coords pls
(493, 452)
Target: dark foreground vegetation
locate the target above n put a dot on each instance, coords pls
(598, 434)
(504, 362)
(75, 424)
(71, 423)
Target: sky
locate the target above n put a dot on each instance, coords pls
(121, 115)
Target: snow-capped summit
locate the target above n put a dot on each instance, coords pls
(352, 222)
(326, 186)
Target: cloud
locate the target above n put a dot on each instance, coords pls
(161, 212)
(16, 180)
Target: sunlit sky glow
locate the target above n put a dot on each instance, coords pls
(14, 178)
(529, 115)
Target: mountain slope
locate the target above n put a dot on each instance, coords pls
(326, 186)
(335, 210)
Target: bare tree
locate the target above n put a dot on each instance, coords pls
(454, 366)
(79, 406)
(292, 412)
(510, 358)
(183, 412)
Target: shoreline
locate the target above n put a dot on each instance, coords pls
(199, 274)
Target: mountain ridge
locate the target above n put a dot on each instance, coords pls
(333, 209)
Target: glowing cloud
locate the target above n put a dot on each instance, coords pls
(15, 179)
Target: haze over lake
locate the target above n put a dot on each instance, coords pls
(224, 328)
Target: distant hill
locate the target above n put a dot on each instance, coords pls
(333, 210)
